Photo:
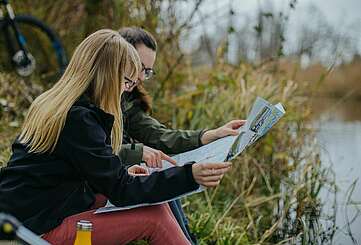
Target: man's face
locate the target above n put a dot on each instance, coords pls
(147, 57)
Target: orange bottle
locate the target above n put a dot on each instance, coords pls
(83, 233)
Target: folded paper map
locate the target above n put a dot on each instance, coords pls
(260, 120)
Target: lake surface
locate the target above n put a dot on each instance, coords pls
(339, 137)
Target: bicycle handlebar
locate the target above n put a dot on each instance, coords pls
(10, 228)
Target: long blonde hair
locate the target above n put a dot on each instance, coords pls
(98, 66)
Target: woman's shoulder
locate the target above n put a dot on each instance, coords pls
(81, 114)
(88, 116)
(83, 108)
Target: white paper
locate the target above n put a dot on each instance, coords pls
(260, 120)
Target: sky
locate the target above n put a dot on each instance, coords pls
(334, 10)
(343, 15)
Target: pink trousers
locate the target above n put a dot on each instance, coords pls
(155, 224)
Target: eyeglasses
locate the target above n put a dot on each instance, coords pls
(129, 83)
(149, 73)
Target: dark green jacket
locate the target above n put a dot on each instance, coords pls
(139, 126)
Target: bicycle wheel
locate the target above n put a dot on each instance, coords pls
(45, 50)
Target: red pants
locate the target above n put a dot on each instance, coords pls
(154, 223)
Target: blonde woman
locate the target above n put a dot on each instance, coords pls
(67, 152)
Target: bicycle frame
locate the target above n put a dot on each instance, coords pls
(9, 17)
(18, 47)
(12, 228)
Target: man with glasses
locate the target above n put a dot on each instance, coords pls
(145, 139)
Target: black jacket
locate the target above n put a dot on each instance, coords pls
(42, 189)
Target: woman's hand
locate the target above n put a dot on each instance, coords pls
(137, 170)
(153, 158)
(210, 174)
(229, 128)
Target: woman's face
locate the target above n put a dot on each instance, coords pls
(147, 57)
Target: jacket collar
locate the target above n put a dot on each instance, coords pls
(107, 118)
(129, 102)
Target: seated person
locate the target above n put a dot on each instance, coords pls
(68, 149)
(145, 139)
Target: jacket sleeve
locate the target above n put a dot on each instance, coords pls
(83, 143)
(131, 154)
(150, 132)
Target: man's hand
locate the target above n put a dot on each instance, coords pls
(153, 158)
(210, 174)
(229, 128)
(137, 170)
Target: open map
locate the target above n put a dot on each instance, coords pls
(260, 120)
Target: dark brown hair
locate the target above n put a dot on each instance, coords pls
(137, 36)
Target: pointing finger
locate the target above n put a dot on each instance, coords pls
(169, 159)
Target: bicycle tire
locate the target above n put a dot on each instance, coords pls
(26, 24)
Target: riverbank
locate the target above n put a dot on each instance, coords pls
(339, 142)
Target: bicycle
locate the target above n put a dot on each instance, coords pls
(32, 47)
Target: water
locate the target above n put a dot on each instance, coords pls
(339, 136)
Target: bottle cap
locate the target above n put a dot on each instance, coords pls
(84, 225)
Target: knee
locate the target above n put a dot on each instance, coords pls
(158, 214)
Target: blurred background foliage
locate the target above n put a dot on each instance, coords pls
(271, 195)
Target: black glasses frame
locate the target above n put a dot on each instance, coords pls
(129, 83)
